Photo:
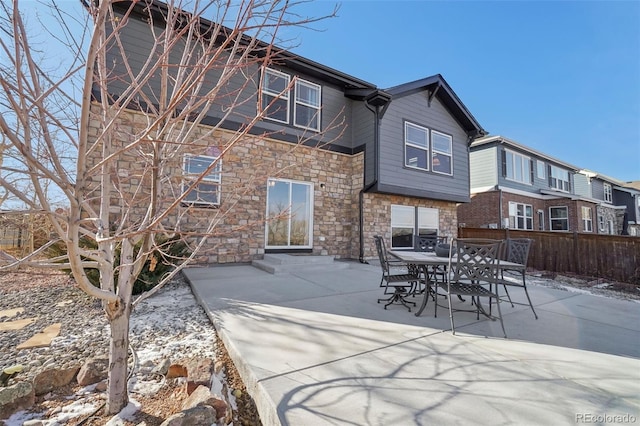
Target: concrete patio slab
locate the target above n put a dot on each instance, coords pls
(315, 348)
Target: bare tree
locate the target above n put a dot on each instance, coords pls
(109, 134)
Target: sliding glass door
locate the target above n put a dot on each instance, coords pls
(289, 214)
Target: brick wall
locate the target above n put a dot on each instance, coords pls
(239, 231)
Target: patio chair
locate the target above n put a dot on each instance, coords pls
(395, 276)
(473, 270)
(428, 243)
(517, 251)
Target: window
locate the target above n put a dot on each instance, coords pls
(441, 153)
(416, 146)
(207, 191)
(540, 220)
(601, 224)
(541, 169)
(428, 221)
(559, 218)
(404, 220)
(607, 193)
(402, 225)
(520, 216)
(275, 95)
(587, 219)
(518, 167)
(307, 106)
(559, 179)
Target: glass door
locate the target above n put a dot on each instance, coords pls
(289, 214)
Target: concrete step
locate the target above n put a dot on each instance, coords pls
(285, 263)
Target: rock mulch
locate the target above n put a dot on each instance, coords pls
(181, 374)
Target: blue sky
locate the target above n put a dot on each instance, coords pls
(560, 77)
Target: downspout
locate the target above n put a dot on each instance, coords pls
(378, 112)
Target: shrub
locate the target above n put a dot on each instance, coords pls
(157, 266)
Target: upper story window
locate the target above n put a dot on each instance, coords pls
(441, 154)
(207, 190)
(277, 98)
(559, 179)
(541, 169)
(416, 146)
(518, 167)
(307, 106)
(275, 95)
(420, 144)
(608, 194)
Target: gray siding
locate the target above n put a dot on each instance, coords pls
(597, 188)
(335, 111)
(410, 181)
(581, 185)
(484, 167)
(362, 134)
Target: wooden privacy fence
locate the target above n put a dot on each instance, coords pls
(612, 257)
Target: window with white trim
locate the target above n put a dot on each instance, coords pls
(416, 146)
(559, 218)
(408, 221)
(559, 179)
(402, 225)
(518, 167)
(608, 194)
(307, 105)
(441, 155)
(520, 216)
(601, 227)
(587, 219)
(541, 169)
(207, 190)
(275, 95)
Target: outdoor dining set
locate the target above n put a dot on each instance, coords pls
(463, 268)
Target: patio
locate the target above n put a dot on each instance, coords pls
(314, 348)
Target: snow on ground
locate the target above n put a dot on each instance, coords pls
(169, 325)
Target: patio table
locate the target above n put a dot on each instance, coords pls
(431, 260)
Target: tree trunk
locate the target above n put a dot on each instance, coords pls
(117, 396)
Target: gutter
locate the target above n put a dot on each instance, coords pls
(377, 102)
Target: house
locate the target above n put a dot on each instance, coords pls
(334, 161)
(629, 194)
(516, 187)
(611, 209)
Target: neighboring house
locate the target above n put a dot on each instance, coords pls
(516, 187)
(611, 214)
(398, 167)
(628, 194)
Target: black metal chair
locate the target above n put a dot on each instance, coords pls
(517, 251)
(401, 278)
(473, 270)
(428, 243)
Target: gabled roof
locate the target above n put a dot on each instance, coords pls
(488, 140)
(600, 176)
(438, 86)
(287, 58)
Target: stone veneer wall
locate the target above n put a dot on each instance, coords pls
(377, 217)
(239, 235)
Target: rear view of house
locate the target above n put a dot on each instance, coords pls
(332, 160)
